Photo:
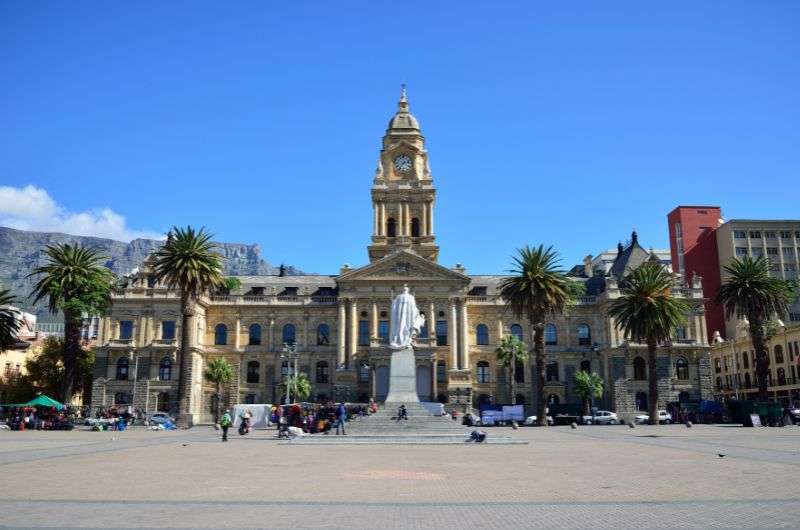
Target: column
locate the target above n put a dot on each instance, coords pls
(423, 229)
(353, 332)
(464, 342)
(372, 383)
(430, 217)
(400, 225)
(271, 333)
(342, 328)
(374, 326)
(237, 341)
(375, 219)
(452, 334)
(430, 320)
(382, 221)
(434, 379)
(499, 330)
(306, 341)
(407, 218)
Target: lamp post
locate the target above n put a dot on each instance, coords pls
(290, 353)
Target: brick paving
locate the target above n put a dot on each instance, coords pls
(600, 476)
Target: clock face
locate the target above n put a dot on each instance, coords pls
(402, 163)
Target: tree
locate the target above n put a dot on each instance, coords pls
(45, 372)
(536, 289)
(751, 292)
(187, 262)
(588, 386)
(300, 385)
(9, 320)
(646, 310)
(75, 282)
(511, 351)
(219, 372)
(231, 283)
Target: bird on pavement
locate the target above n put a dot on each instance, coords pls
(720, 455)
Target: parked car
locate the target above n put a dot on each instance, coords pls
(663, 417)
(602, 417)
(532, 420)
(794, 415)
(156, 418)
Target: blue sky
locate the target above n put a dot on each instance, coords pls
(562, 124)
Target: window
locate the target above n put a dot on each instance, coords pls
(391, 227)
(126, 329)
(151, 281)
(641, 401)
(639, 369)
(423, 331)
(770, 234)
(255, 334)
(755, 235)
(363, 332)
(797, 234)
(286, 369)
(122, 398)
(786, 234)
(788, 252)
(678, 229)
(788, 267)
(165, 369)
(740, 234)
(441, 332)
(772, 251)
(122, 368)
(757, 251)
(323, 335)
(682, 369)
(414, 227)
(794, 317)
(482, 335)
(584, 335)
(289, 335)
(781, 376)
(441, 372)
(553, 399)
(168, 330)
(747, 382)
(719, 383)
(363, 373)
(778, 354)
(221, 335)
(252, 372)
(483, 372)
(717, 366)
(383, 331)
(683, 397)
(516, 330)
(745, 361)
(741, 251)
(586, 366)
(551, 371)
(519, 372)
(322, 372)
(550, 334)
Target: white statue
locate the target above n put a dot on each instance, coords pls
(406, 320)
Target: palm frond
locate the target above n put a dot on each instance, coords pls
(750, 291)
(187, 261)
(537, 285)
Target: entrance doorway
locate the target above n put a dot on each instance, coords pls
(381, 383)
(424, 383)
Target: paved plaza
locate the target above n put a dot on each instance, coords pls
(601, 477)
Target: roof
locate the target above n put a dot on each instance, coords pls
(629, 258)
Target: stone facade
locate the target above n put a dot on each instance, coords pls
(340, 324)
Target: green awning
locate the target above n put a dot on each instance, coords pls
(43, 401)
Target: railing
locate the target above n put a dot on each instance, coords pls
(477, 299)
(271, 299)
(582, 300)
(121, 342)
(165, 342)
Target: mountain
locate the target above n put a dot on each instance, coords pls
(22, 251)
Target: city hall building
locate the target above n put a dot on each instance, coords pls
(339, 324)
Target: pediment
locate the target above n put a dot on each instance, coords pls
(404, 265)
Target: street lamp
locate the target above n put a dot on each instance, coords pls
(290, 353)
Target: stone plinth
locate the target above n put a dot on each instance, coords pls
(403, 377)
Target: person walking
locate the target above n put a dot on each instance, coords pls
(225, 423)
(341, 418)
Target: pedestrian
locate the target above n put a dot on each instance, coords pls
(225, 423)
(341, 418)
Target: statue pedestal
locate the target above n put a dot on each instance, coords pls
(403, 377)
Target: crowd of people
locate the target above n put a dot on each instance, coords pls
(38, 418)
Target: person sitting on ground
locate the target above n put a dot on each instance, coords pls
(402, 413)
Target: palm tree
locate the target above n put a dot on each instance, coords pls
(187, 262)
(588, 386)
(751, 292)
(536, 289)
(299, 384)
(646, 310)
(219, 372)
(76, 282)
(9, 320)
(509, 353)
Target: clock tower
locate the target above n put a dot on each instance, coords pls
(402, 191)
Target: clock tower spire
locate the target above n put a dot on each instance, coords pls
(403, 194)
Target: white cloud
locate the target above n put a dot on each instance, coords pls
(32, 208)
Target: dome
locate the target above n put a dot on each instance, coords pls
(403, 119)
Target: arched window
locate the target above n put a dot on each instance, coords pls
(165, 370)
(391, 227)
(745, 360)
(553, 399)
(516, 330)
(221, 335)
(781, 376)
(482, 335)
(641, 401)
(322, 372)
(550, 334)
(484, 400)
(483, 372)
(683, 397)
(323, 335)
(288, 334)
(586, 366)
(680, 333)
(162, 402)
(122, 368)
(255, 334)
(286, 369)
(519, 372)
(778, 354)
(717, 365)
(363, 373)
(747, 382)
(584, 335)
(719, 383)
(441, 372)
(639, 369)
(551, 371)
(414, 227)
(252, 372)
(520, 399)
(682, 369)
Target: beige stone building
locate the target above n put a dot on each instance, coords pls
(339, 323)
(735, 370)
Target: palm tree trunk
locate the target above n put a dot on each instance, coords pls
(539, 355)
(762, 357)
(219, 403)
(72, 348)
(183, 362)
(512, 371)
(587, 411)
(652, 376)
